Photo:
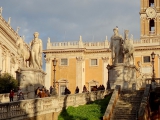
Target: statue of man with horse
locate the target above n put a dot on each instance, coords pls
(32, 53)
(121, 49)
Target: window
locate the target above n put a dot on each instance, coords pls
(62, 89)
(152, 25)
(146, 59)
(94, 62)
(151, 3)
(64, 61)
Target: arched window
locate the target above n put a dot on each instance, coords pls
(151, 26)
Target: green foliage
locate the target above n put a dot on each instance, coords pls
(93, 111)
(7, 82)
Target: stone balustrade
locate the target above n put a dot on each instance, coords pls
(112, 103)
(78, 44)
(98, 45)
(143, 113)
(34, 107)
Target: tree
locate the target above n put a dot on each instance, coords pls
(7, 82)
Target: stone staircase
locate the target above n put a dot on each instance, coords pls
(127, 105)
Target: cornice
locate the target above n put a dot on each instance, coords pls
(76, 50)
(8, 32)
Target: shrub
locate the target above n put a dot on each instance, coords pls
(7, 82)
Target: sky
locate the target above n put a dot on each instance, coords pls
(66, 20)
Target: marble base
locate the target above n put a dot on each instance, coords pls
(124, 75)
(29, 79)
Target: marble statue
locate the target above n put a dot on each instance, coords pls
(1, 11)
(9, 20)
(49, 40)
(128, 49)
(115, 46)
(18, 29)
(36, 52)
(23, 52)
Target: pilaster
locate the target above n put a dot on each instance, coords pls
(48, 71)
(80, 73)
(105, 71)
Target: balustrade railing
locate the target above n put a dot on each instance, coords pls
(33, 107)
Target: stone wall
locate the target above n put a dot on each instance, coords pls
(144, 113)
(46, 107)
(112, 103)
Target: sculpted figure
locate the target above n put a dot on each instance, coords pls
(1, 11)
(36, 52)
(23, 51)
(115, 46)
(128, 49)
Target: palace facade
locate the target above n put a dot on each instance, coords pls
(84, 63)
(9, 59)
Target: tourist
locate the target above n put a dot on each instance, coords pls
(51, 89)
(43, 94)
(18, 93)
(67, 91)
(77, 90)
(47, 93)
(11, 94)
(84, 89)
(21, 96)
(37, 92)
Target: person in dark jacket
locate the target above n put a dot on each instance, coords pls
(77, 90)
(11, 94)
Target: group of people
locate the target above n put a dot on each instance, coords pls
(42, 92)
(20, 95)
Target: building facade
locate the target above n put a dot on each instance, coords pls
(84, 63)
(9, 59)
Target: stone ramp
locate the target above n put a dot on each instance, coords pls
(127, 105)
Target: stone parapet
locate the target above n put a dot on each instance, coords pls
(143, 113)
(25, 109)
(99, 45)
(112, 103)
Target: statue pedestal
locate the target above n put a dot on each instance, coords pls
(122, 74)
(29, 79)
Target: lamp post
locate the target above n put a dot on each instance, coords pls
(108, 83)
(153, 76)
(54, 92)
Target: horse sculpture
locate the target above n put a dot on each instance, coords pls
(128, 49)
(23, 51)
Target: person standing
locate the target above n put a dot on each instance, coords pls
(11, 94)
(77, 90)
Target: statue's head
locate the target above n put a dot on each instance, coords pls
(126, 32)
(36, 34)
(115, 30)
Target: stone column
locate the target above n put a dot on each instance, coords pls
(8, 62)
(48, 75)
(80, 73)
(105, 71)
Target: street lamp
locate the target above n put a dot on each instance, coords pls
(54, 92)
(108, 83)
(153, 76)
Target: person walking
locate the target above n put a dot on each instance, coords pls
(11, 94)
